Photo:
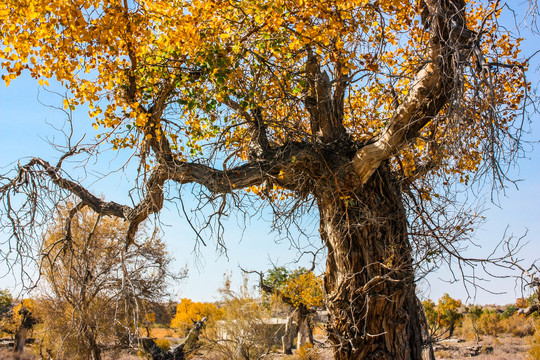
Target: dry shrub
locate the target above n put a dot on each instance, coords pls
(163, 343)
(490, 324)
(307, 352)
(243, 333)
(467, 330)
(517, 325)
(534, 351)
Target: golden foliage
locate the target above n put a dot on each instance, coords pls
(164, 344)
(304, 289)
(300, 286)
(443, 317)
(11, 320)
(120, 58)
(521, 303)
(189, 311)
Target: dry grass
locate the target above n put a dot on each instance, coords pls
(122, 356)
(6, 354)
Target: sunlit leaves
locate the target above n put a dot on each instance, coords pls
(188, 311)
(301, 286)
(195, 71)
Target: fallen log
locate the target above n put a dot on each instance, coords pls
(182, 351)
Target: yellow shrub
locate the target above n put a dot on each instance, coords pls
(489, 324)
(534, 351)
(188, 311)
(163, 343)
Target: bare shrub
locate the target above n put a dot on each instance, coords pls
(244, 333)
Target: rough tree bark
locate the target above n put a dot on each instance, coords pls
(369, 282)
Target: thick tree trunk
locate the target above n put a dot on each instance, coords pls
(369, 280)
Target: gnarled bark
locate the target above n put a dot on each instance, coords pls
(369, 282)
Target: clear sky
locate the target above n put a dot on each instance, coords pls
(26, 125)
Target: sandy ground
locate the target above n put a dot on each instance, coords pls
(490, 347)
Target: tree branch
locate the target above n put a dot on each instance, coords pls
(325, 121)
(429, 92)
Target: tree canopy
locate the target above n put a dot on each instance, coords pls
(300, 286)
(224, 94)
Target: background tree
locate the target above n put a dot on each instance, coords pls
(372, 112)
(302, 291)
(12, 319)
(96, 293)
(6, 305)
(6, 302)
(17, 319)
(188, 312)
(475, 313)
(443, 317)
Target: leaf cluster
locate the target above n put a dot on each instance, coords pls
(300, 286)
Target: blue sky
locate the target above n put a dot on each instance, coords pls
(26, 127)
